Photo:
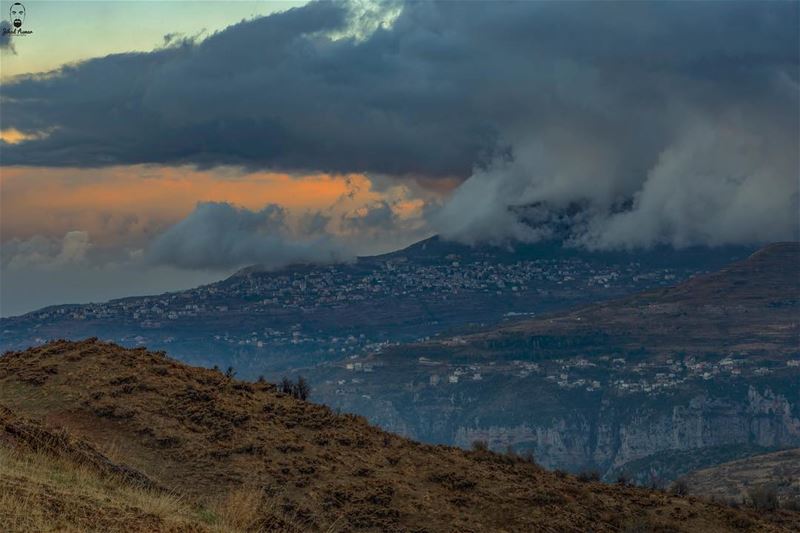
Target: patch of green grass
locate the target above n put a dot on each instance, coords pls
(207, 516)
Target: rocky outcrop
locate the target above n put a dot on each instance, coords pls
(612, 437)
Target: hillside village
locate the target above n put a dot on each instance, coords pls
(613, 374)
(274, 298)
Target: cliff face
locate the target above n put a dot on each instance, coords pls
(767, 420)
(617, 434)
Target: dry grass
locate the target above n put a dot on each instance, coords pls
(40, 492)
(241, 508)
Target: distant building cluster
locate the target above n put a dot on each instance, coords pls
(174, 317)
(606, 372)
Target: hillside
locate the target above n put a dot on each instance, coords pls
(751, 305)
(51, 481)
(264, 322)
(203, 436)
(736, 480)
(652, 385)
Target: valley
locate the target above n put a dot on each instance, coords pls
(624, 387)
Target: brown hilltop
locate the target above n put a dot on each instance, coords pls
(197, 433)
(751, 305)
(770, 274)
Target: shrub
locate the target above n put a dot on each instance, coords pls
(792, 503)
(680, 487)
(528, 457)
(452, 480)
(763, 497)
(589, 475)
(480, 446)
(525, 457)
(639, 525)
(240, 509)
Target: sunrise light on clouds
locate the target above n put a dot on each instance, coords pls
(124, 202)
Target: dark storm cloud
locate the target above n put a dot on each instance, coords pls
(274, 92)
(430, 95)
(5, 36)
(545, 104)
(376, 216)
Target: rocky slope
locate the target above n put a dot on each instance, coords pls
(652, 385)
(204, 435)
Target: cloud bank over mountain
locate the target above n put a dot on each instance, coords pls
(732, 180)
(608, 124)
(217, 235)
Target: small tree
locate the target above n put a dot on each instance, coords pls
(763, 497)
(301, 389)
(680, 487)
(230, 372)
(286, 386)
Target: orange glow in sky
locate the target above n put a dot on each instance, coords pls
(14, 136)
(122, 203)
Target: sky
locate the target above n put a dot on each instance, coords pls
(68, 31)
(154, 146)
